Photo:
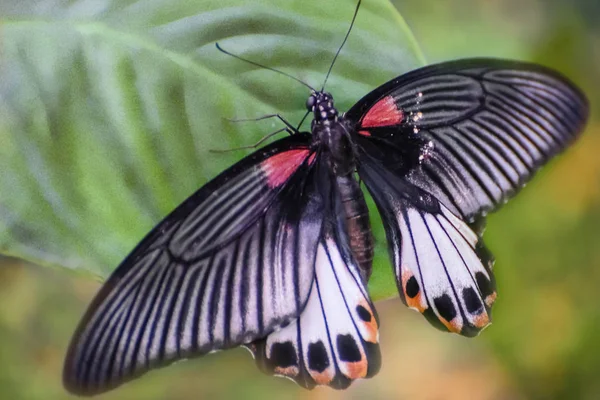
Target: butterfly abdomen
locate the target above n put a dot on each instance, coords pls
(358, 226)
(331, 132)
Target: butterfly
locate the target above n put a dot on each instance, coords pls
(274, 254)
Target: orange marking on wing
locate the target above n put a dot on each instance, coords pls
(357, 369)
(453, 326)
(416, 302)
(490, 299)
(482, 320)
(280, 167)
(371, 326)
(322, 378)
(287, 371)
(365, 133)
(383, 113)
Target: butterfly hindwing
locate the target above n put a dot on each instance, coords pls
(441, 272)
(470, 132)
(441, 267)
(231, 264)
(336, 338)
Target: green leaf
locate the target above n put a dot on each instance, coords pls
(108, 109)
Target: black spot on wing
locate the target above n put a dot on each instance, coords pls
(484, 284)
(472, 301)
(445, 307)
(412, 287)
(347, 348)
(284, 355)
(317, 357)
(363, 313)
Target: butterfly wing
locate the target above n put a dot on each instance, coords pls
(441, 266)
(336, 338)
(231, 264)
(470, 132)
(439, 148)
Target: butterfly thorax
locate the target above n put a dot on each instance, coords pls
(331, 134)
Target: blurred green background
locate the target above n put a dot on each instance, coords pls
(545, 340)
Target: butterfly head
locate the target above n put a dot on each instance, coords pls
(321, 105)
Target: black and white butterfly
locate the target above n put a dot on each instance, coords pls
(275, 253)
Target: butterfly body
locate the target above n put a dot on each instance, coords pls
(333, 134)
(356, 222)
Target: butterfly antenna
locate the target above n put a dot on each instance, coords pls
(263, 66)
(343, 43)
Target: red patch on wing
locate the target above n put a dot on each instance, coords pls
(280, 167)
(383, 113)
(365, 133)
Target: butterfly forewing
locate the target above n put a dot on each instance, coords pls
(470, 132)
(439, 148)
(229, 265)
